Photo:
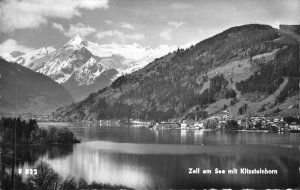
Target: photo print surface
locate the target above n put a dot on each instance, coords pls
(131, 94)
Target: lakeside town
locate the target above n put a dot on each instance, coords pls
(215, 122)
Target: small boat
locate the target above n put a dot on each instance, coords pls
(150, 126)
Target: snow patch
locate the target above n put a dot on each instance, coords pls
(62, 63)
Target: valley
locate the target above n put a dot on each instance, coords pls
(253, 65)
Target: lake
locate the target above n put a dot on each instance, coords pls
(141, 158)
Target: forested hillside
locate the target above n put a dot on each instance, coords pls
(23, 90)
(224, 70)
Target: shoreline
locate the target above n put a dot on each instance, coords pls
(71, 124)
(46, 144)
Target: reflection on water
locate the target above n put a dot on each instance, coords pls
(102, 167)
(31, 154)
(145, 159)
(183, 136)
(151, 170)
(198, 136)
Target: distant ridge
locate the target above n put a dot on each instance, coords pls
(25, 91)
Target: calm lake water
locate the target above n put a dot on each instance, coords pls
(148, 159)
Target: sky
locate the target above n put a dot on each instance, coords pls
(26, 25)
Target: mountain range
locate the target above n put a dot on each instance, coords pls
(244, 71)
(23, 90)
(83, 67)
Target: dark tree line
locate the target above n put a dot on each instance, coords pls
(14, 132)
(270, 75)
(29, 132)
(292, 88)
(290, 119)
(119, 81)
(218, 89)
(23, 129)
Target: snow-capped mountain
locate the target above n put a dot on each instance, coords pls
(80, 64)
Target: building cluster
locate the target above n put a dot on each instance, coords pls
(39, 118)
(246, 123)
(224, 122)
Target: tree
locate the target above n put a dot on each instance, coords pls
(82, 184)
(231, 125)
(69, 184)
(119, 81)
(211, 124)
(232, 102)
(240, 110)
(290, 119)
(230, 93)
(46, 178)
(4, 160)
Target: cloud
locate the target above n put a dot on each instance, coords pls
(180, 6)
(75, 29)
(81, 29)
(135, 37)
(59, 27)
(120, 36)
(176, 24)
(204, 33)
(18, 14)
(10, 45)
(108, 21)
(127, 25)
(189, 44)
(165, 34)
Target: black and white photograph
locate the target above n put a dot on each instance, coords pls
(149, 94)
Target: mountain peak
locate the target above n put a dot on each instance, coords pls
(45, 50)
(79, 37)
(76, 41)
